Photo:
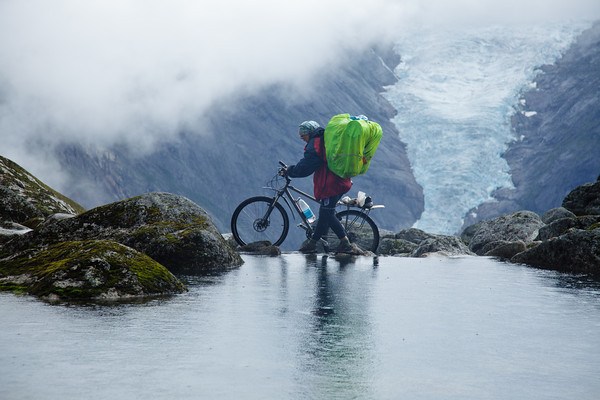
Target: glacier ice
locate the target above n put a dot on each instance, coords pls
(456, 92)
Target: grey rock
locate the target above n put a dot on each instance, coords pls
(448, 245)
(470, 231)
(171, 229)
(577, 251)
(414, 235)
(586, 221)
(264, 248)
(23, 196)
(392, 247)
(555, 214)
(504, 250)
(584, 199)
(522, 225)
(556, 228)
(86, 270)
(561, 226)
(8, 229)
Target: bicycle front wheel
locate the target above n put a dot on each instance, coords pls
(252, 222)
(360, 229)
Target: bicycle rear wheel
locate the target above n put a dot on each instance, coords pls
(360, 230)
(250, 222)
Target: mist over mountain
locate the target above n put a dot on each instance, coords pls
(109, 99)
(242, 139)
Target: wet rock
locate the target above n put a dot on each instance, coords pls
(23, 196)
(262, 248)
(86, 270)
(556, 214)
(504, 250)
(414, 235)
(448, 245)
(522, 225)
(393, 247)
(468, 233)
(584, 199)
(561, 226)
(9, 229)
(171, 229)
(577, 251)
(556, 228)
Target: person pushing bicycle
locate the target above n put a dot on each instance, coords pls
(328, 188)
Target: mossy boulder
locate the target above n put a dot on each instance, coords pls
(24, 197)
(390, 246)
(584, 199)
(577, 251)
(519, 226)
(171, 229)
(444, 244)
(86, 270)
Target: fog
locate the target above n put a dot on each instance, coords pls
(140, 71)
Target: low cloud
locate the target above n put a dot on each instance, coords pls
(139, 71)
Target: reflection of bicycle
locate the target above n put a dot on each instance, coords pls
(263, 218)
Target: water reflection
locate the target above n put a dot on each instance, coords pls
(314, 327)
(336, 352)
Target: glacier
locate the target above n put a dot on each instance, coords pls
(456, 92)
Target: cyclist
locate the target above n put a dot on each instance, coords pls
(328, 188)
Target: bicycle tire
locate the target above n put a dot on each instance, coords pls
(247, 227)
(360, 229)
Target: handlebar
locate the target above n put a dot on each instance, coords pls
(282, 171)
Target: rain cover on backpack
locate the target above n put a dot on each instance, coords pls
(350, 143)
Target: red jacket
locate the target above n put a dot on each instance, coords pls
(326, 183)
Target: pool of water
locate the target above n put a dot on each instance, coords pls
(306, 327)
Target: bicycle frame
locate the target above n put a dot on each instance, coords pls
(285, 193)
(256, 214)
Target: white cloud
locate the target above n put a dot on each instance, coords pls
(138, 71)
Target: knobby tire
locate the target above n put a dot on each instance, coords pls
(360, 229)
(248, 224)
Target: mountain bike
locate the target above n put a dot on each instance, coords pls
(263, 218)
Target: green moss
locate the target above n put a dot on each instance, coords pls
(129, 213)
(594, 226)
(87, 270)
(42, 194)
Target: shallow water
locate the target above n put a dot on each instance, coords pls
(298, 327)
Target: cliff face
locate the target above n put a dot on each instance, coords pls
(243, 138)
(558, 127)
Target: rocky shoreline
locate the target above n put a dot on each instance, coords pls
(50, 247)
(565, 238)
(123, 250)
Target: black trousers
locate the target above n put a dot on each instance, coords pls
(328, 220)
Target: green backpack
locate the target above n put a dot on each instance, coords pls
(350, 143)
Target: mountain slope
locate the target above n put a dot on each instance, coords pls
(242, 139)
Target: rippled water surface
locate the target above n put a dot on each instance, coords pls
(294, 327)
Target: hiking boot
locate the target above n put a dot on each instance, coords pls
(346, 247)
(308, 247)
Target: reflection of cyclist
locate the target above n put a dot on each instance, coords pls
(328, 187)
